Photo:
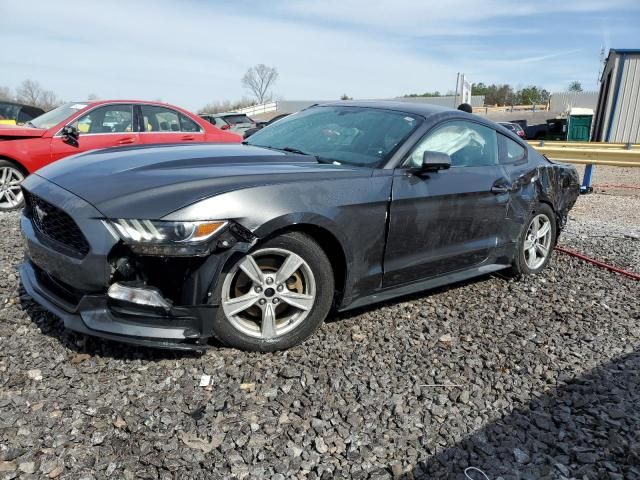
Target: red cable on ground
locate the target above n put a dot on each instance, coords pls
(573, 253)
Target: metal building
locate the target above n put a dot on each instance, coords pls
(618, 112)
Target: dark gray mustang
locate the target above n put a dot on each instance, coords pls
(340, 205)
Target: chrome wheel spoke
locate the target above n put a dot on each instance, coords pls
(251, 268)
(544, 230)
(542, 250)
(297, 300)
(5, 173)
(268, 328)
(236, 305)
(528, 243)
(292, 263)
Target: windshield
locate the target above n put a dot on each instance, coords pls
(350, 135)
(57, 115)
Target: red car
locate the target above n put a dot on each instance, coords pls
(92, 125)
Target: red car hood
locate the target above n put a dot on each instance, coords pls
(14, 131)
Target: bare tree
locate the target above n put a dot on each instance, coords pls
(259, 79)
(5, 93)
(226, 105)
(32, 93)
(92, 96)
(575, 86)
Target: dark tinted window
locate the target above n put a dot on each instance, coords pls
(8, 111)
(236, 119)
(467, 143)
(350, 135)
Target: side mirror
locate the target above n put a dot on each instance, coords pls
(434, 161)
(70, 135)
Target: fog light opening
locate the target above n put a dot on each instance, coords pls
(138, 295)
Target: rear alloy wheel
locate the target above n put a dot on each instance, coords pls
(10, 193)
(537, 241)
(276, 295)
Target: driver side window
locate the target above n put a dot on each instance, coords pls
(107, 119)
(467, 143)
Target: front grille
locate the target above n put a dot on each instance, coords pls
(56, 226)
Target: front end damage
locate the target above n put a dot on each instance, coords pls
(113, 292)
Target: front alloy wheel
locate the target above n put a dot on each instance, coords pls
(275, 296)
(268, 293)
(10, 192)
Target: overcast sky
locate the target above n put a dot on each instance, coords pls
(193, 52)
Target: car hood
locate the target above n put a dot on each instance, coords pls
(18, 131)
(151, 182)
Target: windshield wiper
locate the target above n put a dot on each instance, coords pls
(30, 124)
(295, 150)
(317, 157)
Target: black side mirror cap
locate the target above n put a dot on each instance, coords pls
(434, 161)
(70, 135)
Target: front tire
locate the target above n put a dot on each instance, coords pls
(536, 243)
(276, 296)
(10, 193)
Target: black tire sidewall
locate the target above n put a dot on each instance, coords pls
(520, 264)
(308, 249)
(6, 163)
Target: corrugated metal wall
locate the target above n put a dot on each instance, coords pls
(626, 116)
(560, 102)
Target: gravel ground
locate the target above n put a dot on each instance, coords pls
(536, 378)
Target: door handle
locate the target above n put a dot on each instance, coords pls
(126, 141)
(188, 137)
(499, 188)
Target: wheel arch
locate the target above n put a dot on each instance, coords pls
(18, 164)
(334, 247)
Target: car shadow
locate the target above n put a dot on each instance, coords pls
(52, 326)
(587, 427)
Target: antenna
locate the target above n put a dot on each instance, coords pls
(601, 67)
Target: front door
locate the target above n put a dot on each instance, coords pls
(451, 219)
(103, 127)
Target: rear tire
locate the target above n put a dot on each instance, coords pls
(11, 176)
(274, 297)
(536, 242)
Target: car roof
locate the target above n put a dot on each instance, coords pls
(119, 100)
(423, 109)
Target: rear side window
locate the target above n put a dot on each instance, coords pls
(237, 119)
(160, 119)
(467, 143)
(510, 151)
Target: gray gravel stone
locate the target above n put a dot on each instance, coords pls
(544, 365)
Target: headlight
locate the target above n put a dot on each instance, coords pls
(157, 237)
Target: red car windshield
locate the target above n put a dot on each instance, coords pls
(57, 115)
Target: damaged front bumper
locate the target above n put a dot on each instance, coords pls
(95, 314)
(75, 287)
